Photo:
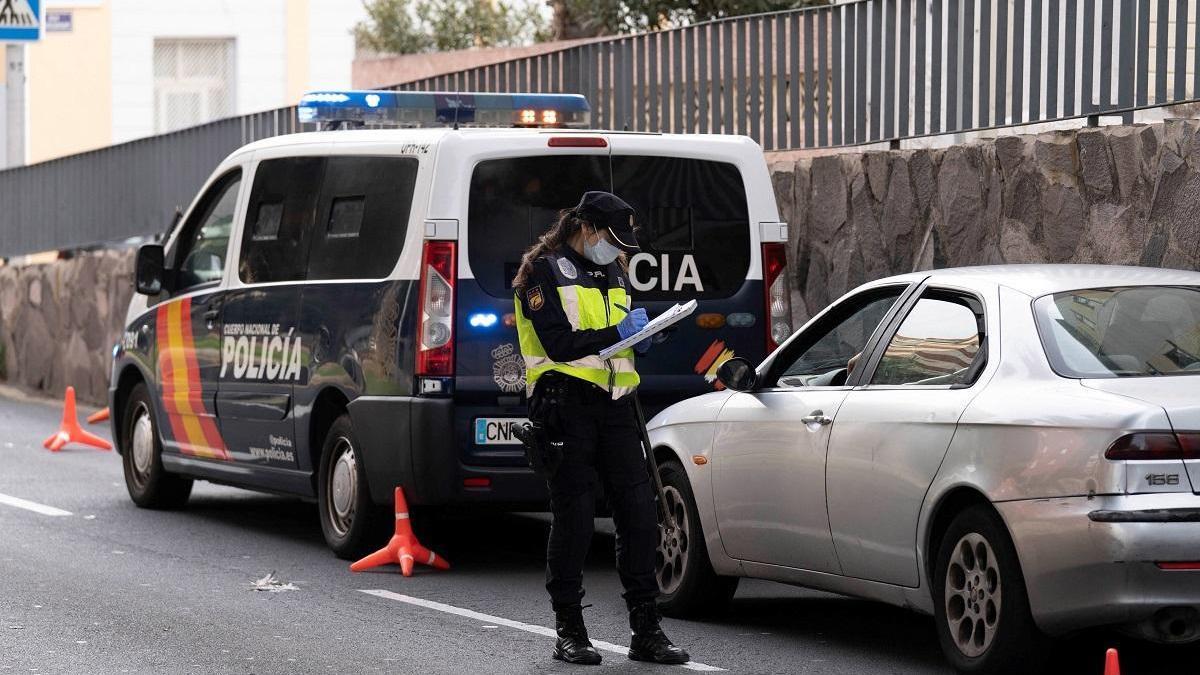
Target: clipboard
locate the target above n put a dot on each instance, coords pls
(659, 323)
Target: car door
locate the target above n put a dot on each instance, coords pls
(263, 354)
(892, 432)
(188, 325)
(770, 443)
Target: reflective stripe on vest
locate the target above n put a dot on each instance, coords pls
(586, 308)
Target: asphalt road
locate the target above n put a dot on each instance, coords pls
(111, 588)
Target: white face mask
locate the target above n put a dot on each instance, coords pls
(602, 252)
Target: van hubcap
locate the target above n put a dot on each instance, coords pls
(343, 487)
(973, 595)
(672, 546)
(142, 444)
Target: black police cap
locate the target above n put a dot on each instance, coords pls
(604, 209)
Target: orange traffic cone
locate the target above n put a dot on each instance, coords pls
(70, 431)
(403, 547)
(1112, 666)
(98, 416)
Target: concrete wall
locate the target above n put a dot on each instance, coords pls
(1128, 195)
(1120, 195)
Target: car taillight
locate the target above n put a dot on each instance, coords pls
(778, 302)
(435, 351)
(1155, 445)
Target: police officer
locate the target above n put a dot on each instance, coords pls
(572, 300)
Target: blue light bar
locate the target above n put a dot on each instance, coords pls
(407, 109)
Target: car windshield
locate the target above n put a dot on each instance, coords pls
(1122, 332)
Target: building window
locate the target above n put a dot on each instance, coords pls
(193, 82)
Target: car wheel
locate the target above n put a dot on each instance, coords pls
(348, 517)
(148, 483)
(686, 581)
(981, 606)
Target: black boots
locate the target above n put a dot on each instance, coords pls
(649, 642)
(573, 645)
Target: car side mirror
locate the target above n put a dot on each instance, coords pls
(737, 374)
(149, 269)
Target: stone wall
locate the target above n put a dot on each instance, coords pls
(1119, 195)
(59, 321)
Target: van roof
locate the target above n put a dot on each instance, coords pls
(438, 134)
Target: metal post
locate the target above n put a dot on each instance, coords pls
(14, 66)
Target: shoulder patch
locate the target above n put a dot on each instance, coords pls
(535, 298)
(567, 268)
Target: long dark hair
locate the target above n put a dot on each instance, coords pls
(559, 233)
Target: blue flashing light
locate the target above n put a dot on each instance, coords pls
(391, 109)
(482, 320)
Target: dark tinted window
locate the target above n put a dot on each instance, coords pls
(199, 251)
(935, 344)
(513, 201)
(695, 226)
(279, 219)
(827, 353)
(1122, 332)
(362, 217)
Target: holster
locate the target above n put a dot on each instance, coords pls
(541, 436)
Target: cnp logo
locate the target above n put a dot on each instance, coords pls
(649, 271)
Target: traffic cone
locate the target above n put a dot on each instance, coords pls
(98, 416)
(70, 431)
(1112, 666)
(403, 547)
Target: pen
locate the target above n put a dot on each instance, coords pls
(623, 308)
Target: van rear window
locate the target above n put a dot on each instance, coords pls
(695, 226)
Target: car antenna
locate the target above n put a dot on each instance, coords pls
(457, 105)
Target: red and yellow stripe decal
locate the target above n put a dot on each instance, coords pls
(192, 424)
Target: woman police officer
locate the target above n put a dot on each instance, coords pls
(571, 302)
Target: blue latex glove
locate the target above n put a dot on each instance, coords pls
(632, 323)
(642, 347)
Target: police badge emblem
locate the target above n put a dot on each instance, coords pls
(508, 368)
(567, 268)
(536, 300)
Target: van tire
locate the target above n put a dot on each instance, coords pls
(990, 585)
(699, 591)
(150, 486)
(349, 519)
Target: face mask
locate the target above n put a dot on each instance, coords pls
(601, 253)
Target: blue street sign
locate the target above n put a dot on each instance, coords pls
(21, 20)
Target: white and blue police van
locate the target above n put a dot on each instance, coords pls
(333, 315)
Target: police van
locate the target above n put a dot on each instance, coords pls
(333, 315)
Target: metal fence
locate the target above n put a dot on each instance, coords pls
(861, 72)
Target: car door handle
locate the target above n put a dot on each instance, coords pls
(816, 417)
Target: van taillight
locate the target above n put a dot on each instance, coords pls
(777, 301)
(1155, 445)
(577, 142)
(435, 351)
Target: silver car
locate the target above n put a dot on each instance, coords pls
(1013, 449)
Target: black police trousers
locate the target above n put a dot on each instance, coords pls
(601, 445)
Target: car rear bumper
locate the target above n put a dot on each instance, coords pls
(412, 441)
(1091, 562)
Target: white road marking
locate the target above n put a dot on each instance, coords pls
(499, 620)
(32, 506)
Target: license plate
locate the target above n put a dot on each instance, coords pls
(497, 430)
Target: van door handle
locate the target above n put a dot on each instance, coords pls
(817, 418)
(211, 316)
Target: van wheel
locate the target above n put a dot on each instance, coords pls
(981, 606)
(686, 581)
(148, 483)
(348, 517)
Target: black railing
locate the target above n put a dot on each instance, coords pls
(871, 71)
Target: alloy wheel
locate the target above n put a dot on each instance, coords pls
(973, 595)
(672, 558)
(141, 440)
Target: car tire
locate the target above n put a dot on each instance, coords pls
(687, 585)
(350, 521)
(981, 605)
(150, 486)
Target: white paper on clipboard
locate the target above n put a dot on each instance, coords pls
(658, 324)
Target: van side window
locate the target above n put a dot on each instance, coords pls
(199, 251)
(279, 219)
(362, 217)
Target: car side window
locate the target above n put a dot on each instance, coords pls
(200, 250)
(828, 352)
(280, 216)
(938, 343)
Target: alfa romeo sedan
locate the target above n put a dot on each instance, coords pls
(1013, 449)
